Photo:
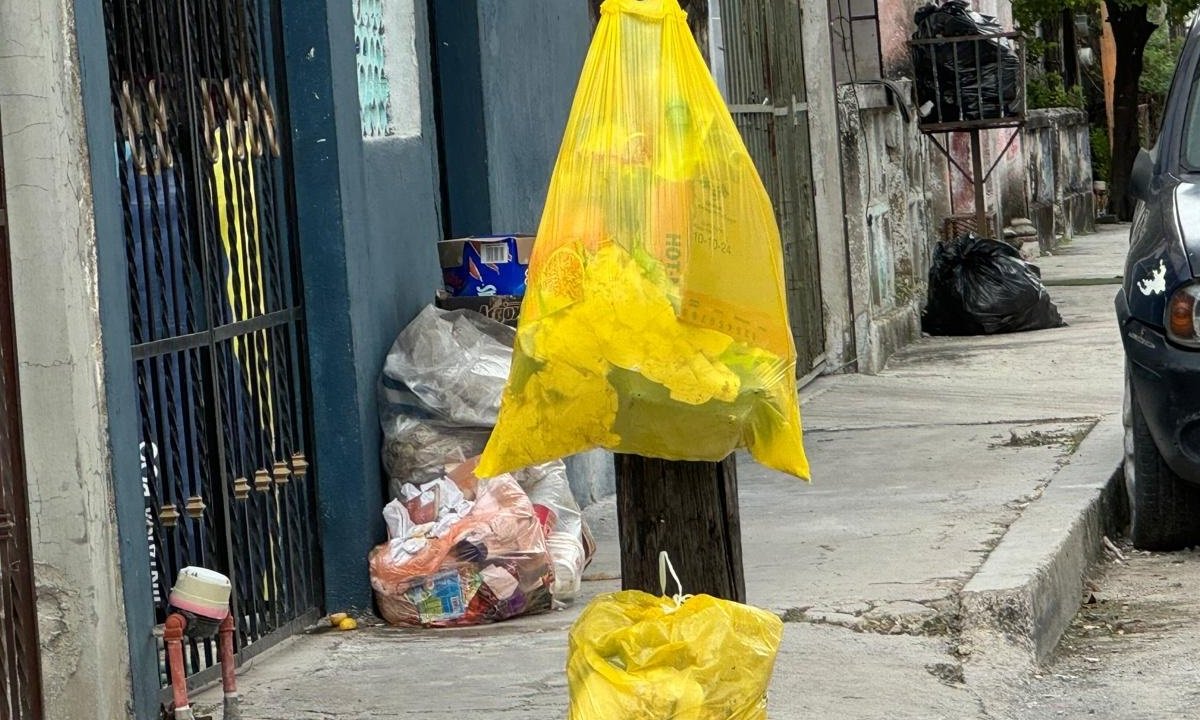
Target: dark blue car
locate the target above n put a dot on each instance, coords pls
(1158, 309)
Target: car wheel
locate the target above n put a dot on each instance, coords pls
(1164, 510)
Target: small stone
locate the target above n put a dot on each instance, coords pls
(834, 618)
(948, 672)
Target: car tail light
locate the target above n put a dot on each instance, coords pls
(1183, 316)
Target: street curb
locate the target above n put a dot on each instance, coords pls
(1031, 585)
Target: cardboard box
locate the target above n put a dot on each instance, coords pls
(485, 266)
(501, 308)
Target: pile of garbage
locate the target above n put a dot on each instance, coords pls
(969, 79)
(461, 550)
(979, 286)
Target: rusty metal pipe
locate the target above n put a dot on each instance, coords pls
(233, 709)
(173, 635)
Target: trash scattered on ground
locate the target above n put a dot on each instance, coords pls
(486, 266)
(567, 536)
(439, 397)
(440, 393)
(979, 286)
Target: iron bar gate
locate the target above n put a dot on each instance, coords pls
(768, 100)
(20, 669)
(216, 318)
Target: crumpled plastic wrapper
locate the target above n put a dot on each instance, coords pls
(439, 394)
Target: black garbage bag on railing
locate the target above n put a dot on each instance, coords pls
(967, 79)
(979, 286)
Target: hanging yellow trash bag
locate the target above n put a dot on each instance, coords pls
(654, 321)
(633, 656)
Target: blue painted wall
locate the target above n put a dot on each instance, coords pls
(529, 88)
(507, 73)
(368, 223)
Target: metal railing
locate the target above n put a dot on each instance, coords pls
(972, 81)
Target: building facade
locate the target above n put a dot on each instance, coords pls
(221, 212)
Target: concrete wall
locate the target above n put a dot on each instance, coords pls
(392, 262)
(890, 191)
(81, 616)
(529, 87)
(824, 134)
(1058, 161)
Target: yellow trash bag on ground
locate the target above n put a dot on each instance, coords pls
(654, 321)
(632, 656)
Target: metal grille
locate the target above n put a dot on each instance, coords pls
(374, 91)
(972, 81)
(215, 307)
(20, 671)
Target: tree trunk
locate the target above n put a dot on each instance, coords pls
(1070, 50)
(1131, 30)
(1052, 34)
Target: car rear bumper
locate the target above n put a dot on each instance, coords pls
(1166, 383)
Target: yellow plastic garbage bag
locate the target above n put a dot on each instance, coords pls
(633, 656)
(654, 321)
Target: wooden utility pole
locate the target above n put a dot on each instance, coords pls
(689, 509)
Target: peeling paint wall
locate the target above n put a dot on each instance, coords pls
(892, 194)
(85, 663)
(1058, 161)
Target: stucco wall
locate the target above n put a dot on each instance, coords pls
(504, 104)
(528, 88)
(392, 262)
(1058, 157)
(80, 611)
(890, 191)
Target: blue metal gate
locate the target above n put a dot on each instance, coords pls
(216, 312)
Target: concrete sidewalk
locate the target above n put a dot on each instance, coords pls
(919, 473)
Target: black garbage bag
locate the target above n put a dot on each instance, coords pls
(965, 80)
(979, 286)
